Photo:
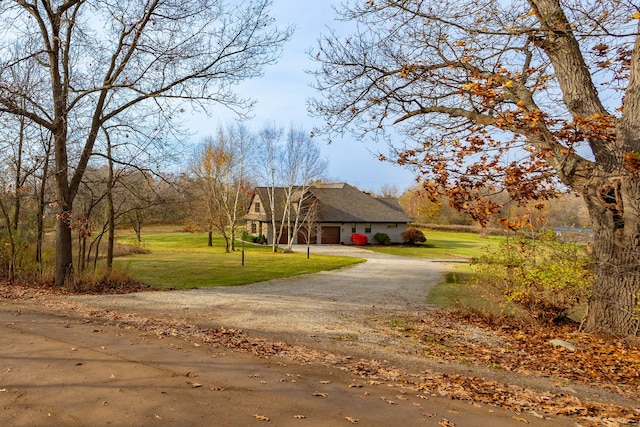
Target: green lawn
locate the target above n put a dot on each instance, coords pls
(183, 260)
(179, 260)
(444, 245)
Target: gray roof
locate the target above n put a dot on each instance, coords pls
(342, 203)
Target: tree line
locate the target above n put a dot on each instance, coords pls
(211, 193)
(99, 77)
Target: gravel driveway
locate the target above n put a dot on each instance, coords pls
(347, 307)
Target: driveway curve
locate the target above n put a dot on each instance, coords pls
(350, 306)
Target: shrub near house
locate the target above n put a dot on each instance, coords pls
(413, 236)
(359, 239)
(382, 238)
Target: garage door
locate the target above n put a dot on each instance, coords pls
(284, 238)
(302, 237)
(331, 235)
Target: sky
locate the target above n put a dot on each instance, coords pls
(282, 94)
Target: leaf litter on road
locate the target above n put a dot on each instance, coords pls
(604, 362)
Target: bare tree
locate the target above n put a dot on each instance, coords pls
(292, 162)
(130, 172)
(507, 96)
(11, 257)
(388, 190)
(40, 187)
(309, 225)
(270, 174)
(222, 179)
(243, 146)
(21, 162)
(104, 58)
(303, 165)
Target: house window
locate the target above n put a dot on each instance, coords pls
(367, 227)
(256, 207)
(353, 227)
(392, 225)
(254, 228)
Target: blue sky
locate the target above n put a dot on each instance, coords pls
(282, 94)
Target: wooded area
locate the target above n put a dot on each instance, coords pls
(92, 79)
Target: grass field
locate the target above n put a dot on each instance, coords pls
(178, 260)
(444, 245)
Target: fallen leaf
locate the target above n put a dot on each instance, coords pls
(320, 394)
(446, 423)
(524, 420)
(299, 417)
(352, 420)
(537, 415)
(194, 385)
(325, 382)
(261, 417)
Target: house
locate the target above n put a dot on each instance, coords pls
(340, 210)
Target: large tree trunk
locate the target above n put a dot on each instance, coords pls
(17, 186)
(64, 243)
(12, 243)
(64, 252)
(41, 197)
(111, 212)
(615, 213)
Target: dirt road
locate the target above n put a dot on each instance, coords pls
(59, 370)
(69, 361)
(349, 306)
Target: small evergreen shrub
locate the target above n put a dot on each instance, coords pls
(261, 240)
(382, 238)
(413, 236)
(359, 239)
